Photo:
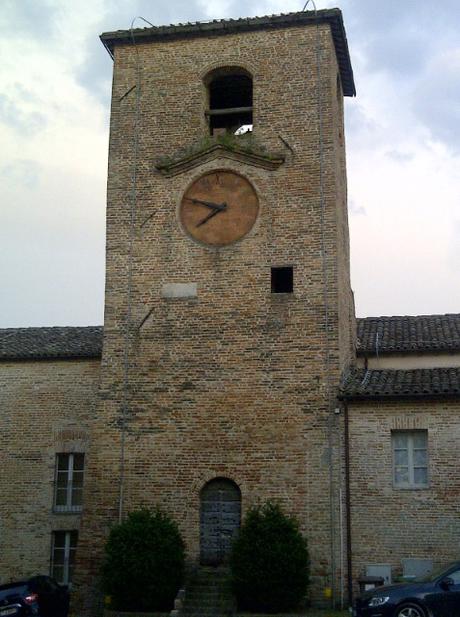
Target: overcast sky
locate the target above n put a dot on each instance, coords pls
(403, 148)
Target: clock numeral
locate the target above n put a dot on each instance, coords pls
(205, 182)
(218, 180)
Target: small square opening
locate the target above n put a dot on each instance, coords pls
(283, 280)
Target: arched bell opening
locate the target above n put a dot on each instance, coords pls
(220, 518)
(229, 101)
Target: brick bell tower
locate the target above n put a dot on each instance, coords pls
(228, 309)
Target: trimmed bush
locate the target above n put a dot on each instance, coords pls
(269, 562)
(144, 562)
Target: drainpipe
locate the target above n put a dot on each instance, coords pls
(347, 505)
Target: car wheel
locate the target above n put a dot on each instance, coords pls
(410, 610)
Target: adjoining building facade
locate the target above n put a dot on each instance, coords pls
(49, 392)
(231, 368)
(402, 401)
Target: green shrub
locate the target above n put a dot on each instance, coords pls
(144, 562)
(269, 561)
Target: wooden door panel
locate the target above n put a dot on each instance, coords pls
(219, 520)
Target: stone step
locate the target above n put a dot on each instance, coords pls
(207, 609)
(213, 581)
(218, 605)
(211, 612)
(208, 593)
(201, 614)
(208, 604)
(198, 601)
(213, 573)
(204, 614)
(211, 587)
(201, 586)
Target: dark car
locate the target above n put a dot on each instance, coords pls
(40, 596)
(435, 596)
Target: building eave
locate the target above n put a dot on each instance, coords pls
(226, 27)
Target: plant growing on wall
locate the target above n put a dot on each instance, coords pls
(240, 146)
(144, 562)
(269, 561)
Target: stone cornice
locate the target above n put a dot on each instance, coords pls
(181, 164)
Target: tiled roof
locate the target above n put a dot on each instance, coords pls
(372, 384)
(40, 343)
(424, 333)
(421, 333)
(229, 26)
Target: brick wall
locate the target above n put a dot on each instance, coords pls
(390, 524)
(46, 408)
(233, 382)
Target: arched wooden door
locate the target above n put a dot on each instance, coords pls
(220, 516)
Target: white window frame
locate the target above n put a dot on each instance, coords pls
(411, 484)
(67, 549)
(67, 507)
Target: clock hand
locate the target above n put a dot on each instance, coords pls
(208, 204)
(211, 214)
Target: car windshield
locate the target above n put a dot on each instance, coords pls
(437, 572)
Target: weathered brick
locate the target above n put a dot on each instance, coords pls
(46, 407)
(234, 382)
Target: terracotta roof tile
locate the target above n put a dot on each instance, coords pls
(378, 335)
(365, 384)
(40, 343)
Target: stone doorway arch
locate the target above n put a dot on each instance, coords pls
(220, 517)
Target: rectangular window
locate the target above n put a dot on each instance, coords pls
(410, 459)
(68, 492)
(63, 555)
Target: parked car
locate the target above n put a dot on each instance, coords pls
(40, 596)
(435, 596)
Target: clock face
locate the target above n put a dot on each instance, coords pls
(219, 208)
